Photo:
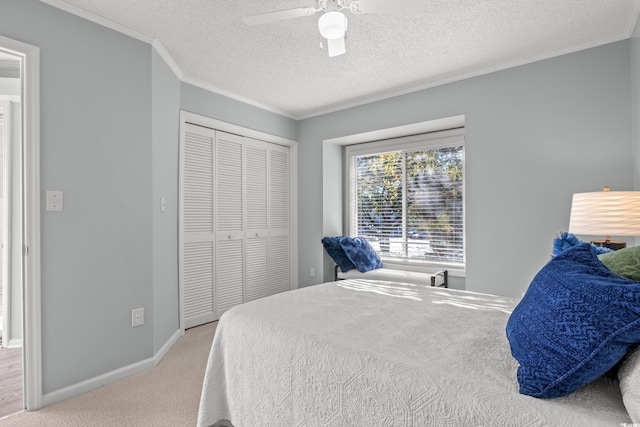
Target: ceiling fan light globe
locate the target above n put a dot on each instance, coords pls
(336, 47)
(332, 25)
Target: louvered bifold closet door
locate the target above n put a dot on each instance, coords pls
(230, 225)
(197, 240)
(256, 217)
(279, 220)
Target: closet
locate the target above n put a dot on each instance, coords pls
(235, 221)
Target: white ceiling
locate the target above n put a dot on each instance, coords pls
(280, 66)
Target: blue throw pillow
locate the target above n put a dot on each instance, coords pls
(567, 241)
(574, 323)
(361, 254)
(335, 251)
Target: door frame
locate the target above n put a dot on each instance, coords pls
(30, 149)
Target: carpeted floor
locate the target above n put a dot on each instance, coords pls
(167, 395)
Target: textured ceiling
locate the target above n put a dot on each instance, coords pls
(280, 66)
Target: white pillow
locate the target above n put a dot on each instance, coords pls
(629, 376)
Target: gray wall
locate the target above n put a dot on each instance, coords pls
(165, 105)
(96, 147)
(109, 140)
(535, 134)
(209, 104)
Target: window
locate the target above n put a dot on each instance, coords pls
(406, 197)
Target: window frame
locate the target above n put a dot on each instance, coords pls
(429, 141)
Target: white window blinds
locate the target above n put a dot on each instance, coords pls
(406, 197)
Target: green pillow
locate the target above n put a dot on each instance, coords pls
(625, 262)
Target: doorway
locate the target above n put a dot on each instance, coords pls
(11, 378)
(21, 309)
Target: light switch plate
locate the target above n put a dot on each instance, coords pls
(55, 201)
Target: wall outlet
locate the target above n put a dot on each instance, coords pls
(137, 317)
(312, 272)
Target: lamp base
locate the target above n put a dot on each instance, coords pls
(611, 244)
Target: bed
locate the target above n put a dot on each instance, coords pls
(377, 353)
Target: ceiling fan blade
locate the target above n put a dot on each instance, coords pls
(266, 18)
(336, 46)
(387, 6)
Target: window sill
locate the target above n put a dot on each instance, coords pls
(455, 270)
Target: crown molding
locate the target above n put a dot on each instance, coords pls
(455, 77)
(168, 59)
(632, 19)
(100, 20)
(626, 33)
(226, 94)
(164, 54)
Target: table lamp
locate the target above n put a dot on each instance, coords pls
(607, 213)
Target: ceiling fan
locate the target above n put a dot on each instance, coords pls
(333, 23)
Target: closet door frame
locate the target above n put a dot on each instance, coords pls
(199, 120)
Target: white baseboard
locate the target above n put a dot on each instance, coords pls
(15, 343)
(111, 377)
(167, 346)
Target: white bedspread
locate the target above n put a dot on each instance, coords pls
(370, 353)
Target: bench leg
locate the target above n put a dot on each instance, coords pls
(445, 276)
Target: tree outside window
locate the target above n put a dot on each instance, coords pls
(410, 203)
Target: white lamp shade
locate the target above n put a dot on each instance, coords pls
(332, 25)
(607, 213)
